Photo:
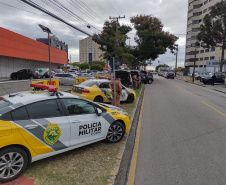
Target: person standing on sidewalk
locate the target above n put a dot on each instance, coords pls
(213, 79)
(134, 82)
(118, 92)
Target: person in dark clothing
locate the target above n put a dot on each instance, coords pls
(213, 79)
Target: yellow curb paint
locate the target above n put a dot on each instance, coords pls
(214, 109)
(135, 150)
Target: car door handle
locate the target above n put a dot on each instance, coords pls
(76, 121)
(31, 126)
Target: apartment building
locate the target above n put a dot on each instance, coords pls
(89, 51)
(197, 9)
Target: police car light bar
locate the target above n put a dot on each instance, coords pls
(50, 88)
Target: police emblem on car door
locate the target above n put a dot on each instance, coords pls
(45, 122)
(86, 125)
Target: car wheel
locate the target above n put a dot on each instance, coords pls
(130, 98)
(98, 99)
(14, 77)
(150, 81)
(13, 162)
(115, 132)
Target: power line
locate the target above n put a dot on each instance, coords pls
(113, 7)
(118, 6)
(58, 9)
(65, 9)
(21, 9)
(88, 10)
(51, 14)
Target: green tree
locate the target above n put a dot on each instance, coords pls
(99, 62)
(151, 40)
(213, 30)
(112, 43)
(75, 64)
(97, 67)
(84, 66)
(160, 65)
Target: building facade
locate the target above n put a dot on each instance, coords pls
(19, 52)
(54, 42)
(197, 9)
(89, 51)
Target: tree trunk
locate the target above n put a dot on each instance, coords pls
(222, 57)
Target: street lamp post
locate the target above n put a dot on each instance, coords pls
(45, 29)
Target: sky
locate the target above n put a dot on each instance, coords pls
(23, 19)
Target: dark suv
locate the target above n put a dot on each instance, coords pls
(220, 77)
(126, 78)
(24, 74)
(146, 78)
(170, 75)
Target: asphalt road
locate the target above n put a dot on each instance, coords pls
(183, 135)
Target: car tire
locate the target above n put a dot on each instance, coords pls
(98, 99)
(150, 81)
(17, 160)
(115, 133)
(130, 98)
(14, 77)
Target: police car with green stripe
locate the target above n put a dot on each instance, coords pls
(38, 124)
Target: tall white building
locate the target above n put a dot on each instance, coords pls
(197, 9)
(89, 51)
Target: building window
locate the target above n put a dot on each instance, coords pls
(206, 58)
(207, 50)
(201, 59)
(202, 51)
(212, 57)
(206, 2)
(213, 49)
(204, 11)
(195, 29)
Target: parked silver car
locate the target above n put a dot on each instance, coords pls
(65, 78)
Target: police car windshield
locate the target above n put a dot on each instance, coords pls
(4, 103)
(88, 83)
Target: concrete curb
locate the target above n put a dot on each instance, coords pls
(116, 167)
(201, 85)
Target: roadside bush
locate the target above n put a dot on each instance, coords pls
(97, 67)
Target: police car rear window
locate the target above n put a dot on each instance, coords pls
(88, 83)
(4, 103)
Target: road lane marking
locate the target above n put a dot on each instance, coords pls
(135, 150)
(214, 109)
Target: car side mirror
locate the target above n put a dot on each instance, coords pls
(98, 111)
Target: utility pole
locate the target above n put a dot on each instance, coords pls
(116, 43)
(175, 71)
(197, 44)
(193, 74)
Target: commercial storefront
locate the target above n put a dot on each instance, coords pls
(19, 52)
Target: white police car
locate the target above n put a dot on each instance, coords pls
(38, 124)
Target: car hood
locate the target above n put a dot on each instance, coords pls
(112, 107)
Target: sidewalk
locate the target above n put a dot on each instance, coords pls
(216, 87)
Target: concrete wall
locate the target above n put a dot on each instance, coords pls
(10, 64)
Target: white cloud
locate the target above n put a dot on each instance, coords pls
(24, 19)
